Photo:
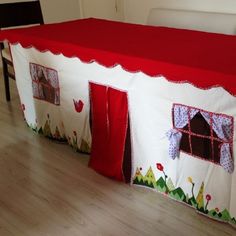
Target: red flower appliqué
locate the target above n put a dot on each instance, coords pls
(160, 167)
(74, 132)
(78, 105)
(208, 197)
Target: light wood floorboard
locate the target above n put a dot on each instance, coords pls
(47, 189)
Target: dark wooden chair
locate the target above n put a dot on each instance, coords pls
(12, 15)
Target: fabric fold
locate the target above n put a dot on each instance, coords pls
(226, 160)
(174, 137)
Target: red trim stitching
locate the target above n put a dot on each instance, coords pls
(200, 135)
(190, 132)
(115, 64)
(57, 89)
(212, 138)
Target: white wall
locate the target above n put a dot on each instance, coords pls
(60, 10)
(106, 9)
(56, 10)
(136, 11)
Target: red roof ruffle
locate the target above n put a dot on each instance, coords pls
(203, 59)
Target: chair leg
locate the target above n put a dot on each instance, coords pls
(6, 81)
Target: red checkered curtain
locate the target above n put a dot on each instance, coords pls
(109, 111)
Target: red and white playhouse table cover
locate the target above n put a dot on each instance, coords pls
(165, 97)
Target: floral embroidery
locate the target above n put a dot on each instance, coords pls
(178, 194)
(208, 198)
(160, 166)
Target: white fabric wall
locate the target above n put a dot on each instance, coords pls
(148, 123)
(136, 11)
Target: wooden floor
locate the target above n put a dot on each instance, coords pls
(47, 189)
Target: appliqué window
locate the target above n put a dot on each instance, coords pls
(202, 134)
(45, 83)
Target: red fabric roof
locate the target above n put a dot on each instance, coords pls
(203, 59)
